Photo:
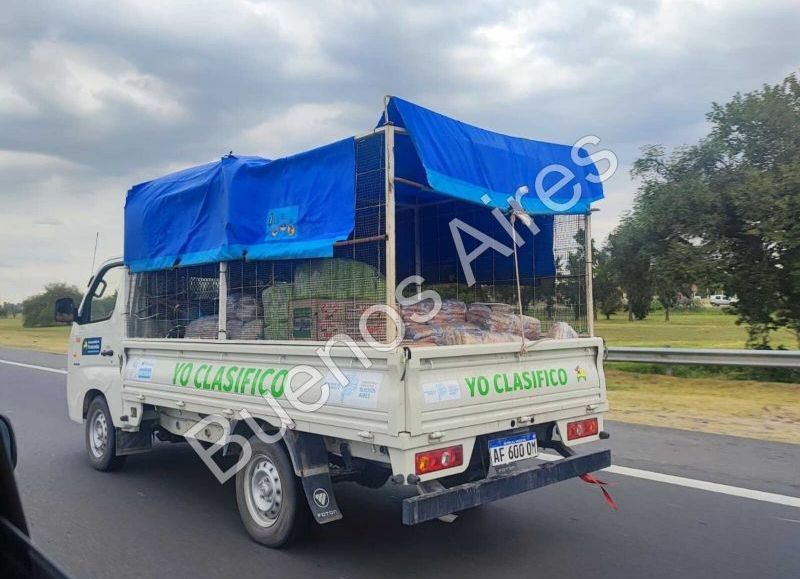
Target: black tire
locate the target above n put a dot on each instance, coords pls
(102, 455)
(279, 525)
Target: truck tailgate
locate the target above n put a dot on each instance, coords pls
(454, 387)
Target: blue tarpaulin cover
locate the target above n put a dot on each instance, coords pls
(294, 207)
(468, 162)
(299, 206)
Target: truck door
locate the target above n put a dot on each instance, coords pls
(96, 343)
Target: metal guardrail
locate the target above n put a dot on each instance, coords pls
(710, 357)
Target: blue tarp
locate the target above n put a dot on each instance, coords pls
(294, 207)
(468, 162)
(299, 206)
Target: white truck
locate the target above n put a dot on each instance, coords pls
(464, 423)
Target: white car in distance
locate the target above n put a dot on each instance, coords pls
(723, 300)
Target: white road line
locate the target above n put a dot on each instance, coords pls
(45, 368)
(702, 485)
(706, 486)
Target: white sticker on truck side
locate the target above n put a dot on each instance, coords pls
(361, 391)
(140, 369)
(442, 391)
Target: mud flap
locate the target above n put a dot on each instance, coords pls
(134, 442)
(310, 460)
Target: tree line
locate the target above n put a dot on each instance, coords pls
(37, 310)
(722, 213)
(10, 310)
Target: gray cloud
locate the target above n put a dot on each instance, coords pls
(95, 97)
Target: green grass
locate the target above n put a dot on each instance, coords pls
(753, 409)
(711, 328)
(12, 334)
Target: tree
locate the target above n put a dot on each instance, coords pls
(607, 293)
(629, 259)
(11, 309)
(734, 200)
(573, 286)
(37, 310)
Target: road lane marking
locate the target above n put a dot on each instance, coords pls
(702, 485)
(706, 486)
(45, 368)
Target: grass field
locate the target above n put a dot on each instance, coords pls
(762, 410)
(43, 339)
(710, 328)
(706, 329)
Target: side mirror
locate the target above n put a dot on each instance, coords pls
(65, 310)
(8, 440)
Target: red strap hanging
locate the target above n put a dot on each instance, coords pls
(587, 478)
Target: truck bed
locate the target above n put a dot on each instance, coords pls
(404, 399)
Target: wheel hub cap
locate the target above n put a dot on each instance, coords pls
(265, 491)
(98, 434)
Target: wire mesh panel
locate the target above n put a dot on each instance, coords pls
(170, 303)
(552, 266)
(316, 299)
(297, 299)
(562, 297)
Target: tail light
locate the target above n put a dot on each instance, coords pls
(439, 459)
(582, 428)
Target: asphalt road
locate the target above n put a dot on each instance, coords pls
(164, 514)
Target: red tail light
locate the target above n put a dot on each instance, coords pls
(440, 459)
(582, 428)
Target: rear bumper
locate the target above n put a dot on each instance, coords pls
(443, 502)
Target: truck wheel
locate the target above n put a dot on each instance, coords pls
(101, 437)
(270, 497)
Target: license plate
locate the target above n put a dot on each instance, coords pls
(513, 448)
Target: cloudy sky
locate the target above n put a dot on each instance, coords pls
(97, 96)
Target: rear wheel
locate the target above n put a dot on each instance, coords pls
(101, 437)
(270, 498)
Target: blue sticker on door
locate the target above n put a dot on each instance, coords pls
(91, 346)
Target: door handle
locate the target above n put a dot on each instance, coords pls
(107, 352)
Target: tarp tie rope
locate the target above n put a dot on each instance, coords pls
(524, 348)
(588, 478)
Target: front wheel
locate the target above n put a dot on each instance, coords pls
(270, 498)
(101, 437)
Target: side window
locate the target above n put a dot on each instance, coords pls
(103, 296)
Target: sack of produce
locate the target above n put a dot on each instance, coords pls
(417, 332)
(275, 303)
(562, 331)
(205, 328)
(242, 306)
(452, 311)
(501, 338)
(462, 334)
(533, 328)
(250, 330)
(276, 330)
(414, 312)
(501, 319)
(338, 278)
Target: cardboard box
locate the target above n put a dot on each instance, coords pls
(316, 319)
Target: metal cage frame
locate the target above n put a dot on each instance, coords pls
(386, 233)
